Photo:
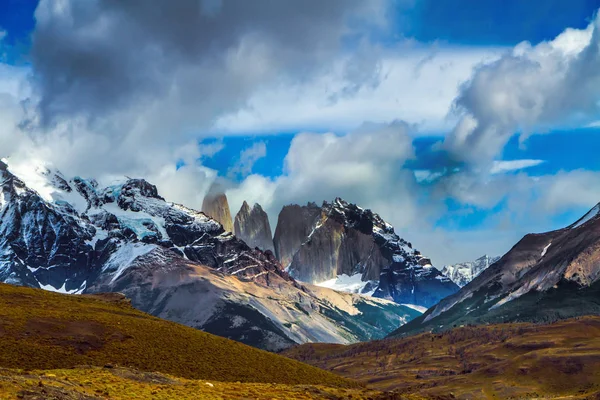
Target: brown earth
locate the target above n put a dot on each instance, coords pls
(524, 361)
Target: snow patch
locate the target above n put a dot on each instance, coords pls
(121, 259)
(63, 288)
(345, 283)
(545, 249)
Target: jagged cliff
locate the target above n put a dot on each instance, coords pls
(252, 226)
(215, 205)
(343, 242)
(294, 224)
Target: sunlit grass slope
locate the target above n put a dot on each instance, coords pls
(43, 330)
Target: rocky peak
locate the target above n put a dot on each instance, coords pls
(216, 206)
(294, 225)
(252, 226)
(341, 239)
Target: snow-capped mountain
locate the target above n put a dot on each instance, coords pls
(343, 246)
(543, 278)
(74, 236)
(465, 272)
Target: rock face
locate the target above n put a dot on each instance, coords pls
(294, 224)
(543, 278)
(342, 239)
(73, 236)
(252, 226)
(463, 273)
(215, 205)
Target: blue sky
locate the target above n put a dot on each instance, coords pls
(489, 23)
(436, 64)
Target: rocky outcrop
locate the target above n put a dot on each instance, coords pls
(215, 205)
(252, 226)
(346, 240)
(463, 273)
(543, 278)
(294, 224)
(73, 236)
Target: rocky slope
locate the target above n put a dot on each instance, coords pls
(543, 278)
(463, 273)
(252, 226)
(74, 236)
(342, 242)
(215, 205)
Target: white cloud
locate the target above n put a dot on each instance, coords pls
(364, 167)
(531, 89)
(513, 165)
(416, 84)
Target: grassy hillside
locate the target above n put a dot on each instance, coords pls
(41, 330)
(495, 361)
(86, 383)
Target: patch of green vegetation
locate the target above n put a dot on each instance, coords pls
(45, 330)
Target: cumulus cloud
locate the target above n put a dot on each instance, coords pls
(529, 90)
(163, 61)
(364, 166)
(415, 83)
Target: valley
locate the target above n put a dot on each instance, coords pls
(504, 361)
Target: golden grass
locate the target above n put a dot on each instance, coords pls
(119, 383)
(561, 360)
(44, 330)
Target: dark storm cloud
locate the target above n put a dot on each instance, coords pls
(94, 58)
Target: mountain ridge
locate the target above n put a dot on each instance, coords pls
(544, 277)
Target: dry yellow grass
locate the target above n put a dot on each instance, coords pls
(85, 383)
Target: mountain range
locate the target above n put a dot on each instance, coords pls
(73, 235)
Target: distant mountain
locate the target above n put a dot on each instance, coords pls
(463, 273)
(216, 206)
(74, 236)
(342, 246)
(543, 278)
(252, 226)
